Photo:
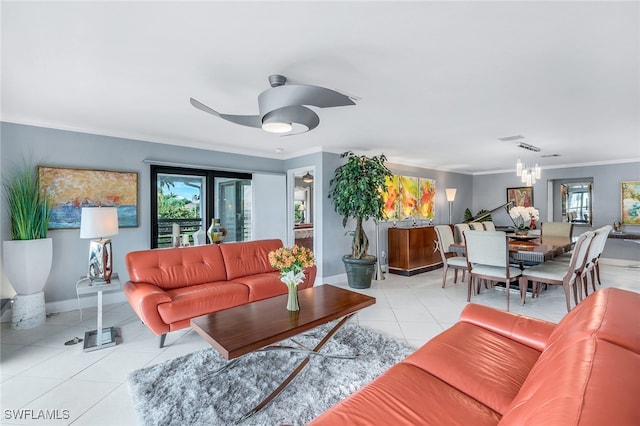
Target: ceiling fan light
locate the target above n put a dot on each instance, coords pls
(277, 127)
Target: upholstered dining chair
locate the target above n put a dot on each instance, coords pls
(569, 276)
(489, 226)
(476, 226)
(459, 229)
(488, 259)
(556, 229)
(449, 259)
(592, 266)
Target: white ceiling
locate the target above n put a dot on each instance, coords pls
(439, 82)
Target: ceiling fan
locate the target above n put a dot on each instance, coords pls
(283, 106)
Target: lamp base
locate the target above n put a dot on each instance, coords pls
(100, 261)
(92, 342)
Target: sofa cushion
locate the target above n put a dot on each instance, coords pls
(407, 395)
(487, 366)
(588, 382)
(248, 258)
(177, 267)
(193, 301)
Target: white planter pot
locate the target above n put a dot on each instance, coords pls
(27, 264)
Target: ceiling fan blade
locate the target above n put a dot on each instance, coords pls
(300, 94)
(245, 120)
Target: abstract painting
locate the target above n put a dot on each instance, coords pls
(70, 189)
(630, 203)
(522, 196)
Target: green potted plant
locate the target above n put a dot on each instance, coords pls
(355, 190)
(28, 257)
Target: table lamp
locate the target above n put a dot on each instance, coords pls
(99, 222)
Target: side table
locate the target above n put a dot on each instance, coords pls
(100, 337)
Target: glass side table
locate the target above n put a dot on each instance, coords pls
(100, 337)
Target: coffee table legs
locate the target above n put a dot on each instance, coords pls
(295, 372)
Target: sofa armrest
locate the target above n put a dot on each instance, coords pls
(531, 332)
(144, 298)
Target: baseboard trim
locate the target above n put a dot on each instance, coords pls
(625, 263)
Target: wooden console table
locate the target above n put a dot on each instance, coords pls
(413, 250)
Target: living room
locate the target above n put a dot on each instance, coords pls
(40, 126)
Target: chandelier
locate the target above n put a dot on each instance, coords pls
(528, 175)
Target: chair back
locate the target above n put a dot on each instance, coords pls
(487, 248)
(598, 243)
(476, 226)
(556, 229)
(459, 231)
(445, 239)
(489, 226)
(579, 255)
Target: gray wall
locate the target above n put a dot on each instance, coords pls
(20, 143)
(72, 149)
(490, 190)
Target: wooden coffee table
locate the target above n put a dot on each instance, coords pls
(255, 326)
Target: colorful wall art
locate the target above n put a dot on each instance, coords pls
(408, 197)
(71, 189)
(630, 203)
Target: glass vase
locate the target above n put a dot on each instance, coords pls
(292, 300)
(216, 232)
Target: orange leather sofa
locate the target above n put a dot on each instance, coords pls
(495, 367)
(170, 286)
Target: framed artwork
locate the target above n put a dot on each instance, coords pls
(409, 197)
(71, 189)
(521, 196)
(630, 202)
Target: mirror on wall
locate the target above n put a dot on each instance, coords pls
(576, 202)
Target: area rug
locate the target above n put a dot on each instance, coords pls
(178, 392)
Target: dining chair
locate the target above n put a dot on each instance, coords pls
(449, 259)
(560, 273)
(489, 226)
(459, 229)
(556, 229)
(476, 226)
(488, 259)
(596, 248)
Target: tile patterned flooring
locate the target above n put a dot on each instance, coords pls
(37, 372)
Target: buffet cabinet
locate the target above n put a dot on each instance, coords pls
(413, 250)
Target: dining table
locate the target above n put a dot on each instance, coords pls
(530, 249)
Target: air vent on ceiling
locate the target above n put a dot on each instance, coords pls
(528, 147)
(550, 155)
(511, 138)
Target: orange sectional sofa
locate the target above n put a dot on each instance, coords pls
(170, 286)
(499, 368)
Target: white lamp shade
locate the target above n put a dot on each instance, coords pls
(97, 222)
(451, 194)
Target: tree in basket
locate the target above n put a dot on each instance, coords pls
(27, 259)
(356, 192)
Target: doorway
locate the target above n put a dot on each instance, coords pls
(302, 213)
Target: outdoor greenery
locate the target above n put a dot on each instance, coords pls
(171, 206)
(28, 207)
(355, 191)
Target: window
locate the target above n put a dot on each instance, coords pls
(191, 198)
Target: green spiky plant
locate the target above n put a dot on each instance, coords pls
(355, 191)
(28, 207)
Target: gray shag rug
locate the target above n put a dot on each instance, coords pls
(178, 392)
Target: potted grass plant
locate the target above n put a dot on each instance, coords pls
(27, 258)
(355, 190)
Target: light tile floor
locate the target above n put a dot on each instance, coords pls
(37, 372)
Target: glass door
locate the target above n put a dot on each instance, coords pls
(234, 207)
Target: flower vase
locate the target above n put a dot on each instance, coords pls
(216, 232)
(292, 300)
